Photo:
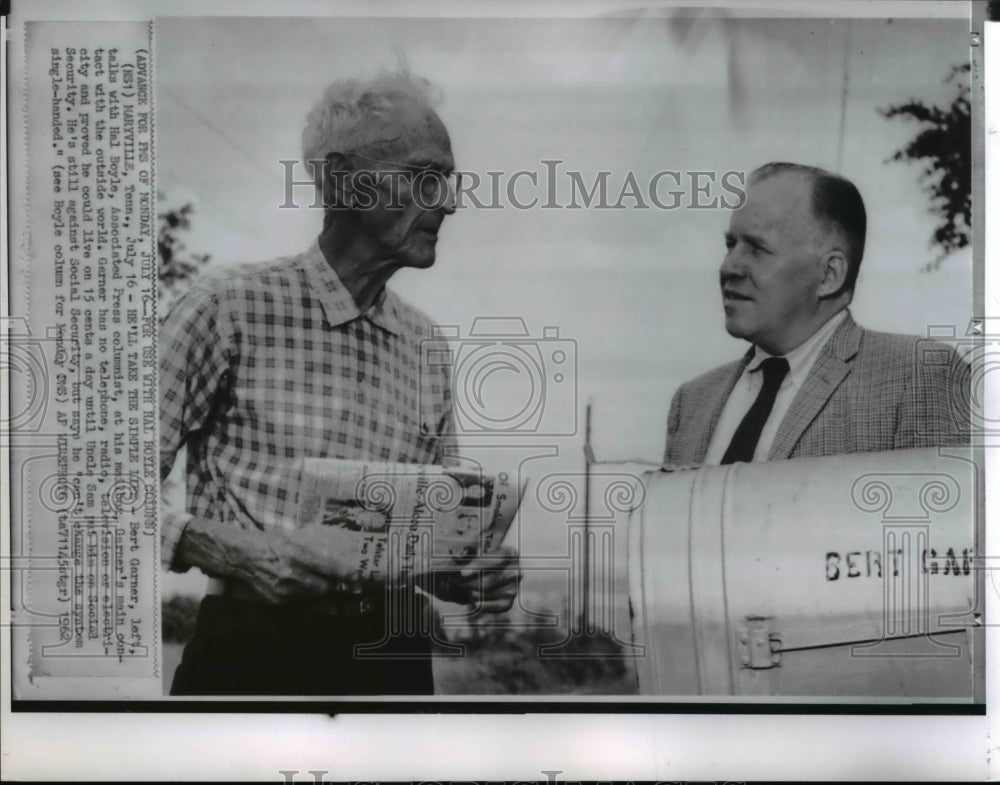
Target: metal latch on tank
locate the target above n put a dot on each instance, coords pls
(759, 647)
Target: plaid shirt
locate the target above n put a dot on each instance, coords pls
(265, 365)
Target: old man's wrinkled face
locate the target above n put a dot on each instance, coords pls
(402, 191)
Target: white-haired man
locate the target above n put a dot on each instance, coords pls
(311, 356)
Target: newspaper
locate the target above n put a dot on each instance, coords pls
(411, 519)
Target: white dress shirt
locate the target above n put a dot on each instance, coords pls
(800, 362)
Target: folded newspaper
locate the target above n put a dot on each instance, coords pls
(409, 519)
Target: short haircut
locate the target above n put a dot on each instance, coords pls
(836, 203)
(345, 118)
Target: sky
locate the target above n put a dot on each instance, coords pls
(628, 298)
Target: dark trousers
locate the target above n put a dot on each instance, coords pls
(247, 648)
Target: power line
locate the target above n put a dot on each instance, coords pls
(232, 143)
(215, 129)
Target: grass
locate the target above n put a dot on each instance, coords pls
(505, 658)
(540, 661)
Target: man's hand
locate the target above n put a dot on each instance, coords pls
(488, 582)
(276, 566)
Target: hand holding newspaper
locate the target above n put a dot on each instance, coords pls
(414, 519)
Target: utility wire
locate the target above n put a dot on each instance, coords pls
(215, 129)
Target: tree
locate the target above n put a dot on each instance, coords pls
(944, 148)
(177, 265)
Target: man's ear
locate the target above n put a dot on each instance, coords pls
(834, 273)
(337, 188)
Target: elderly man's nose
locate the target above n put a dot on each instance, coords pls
(450, 197)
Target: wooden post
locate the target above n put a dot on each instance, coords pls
(587, 460)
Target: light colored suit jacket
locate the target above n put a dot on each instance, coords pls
(867, 392)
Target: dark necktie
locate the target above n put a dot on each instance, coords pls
(744, 442)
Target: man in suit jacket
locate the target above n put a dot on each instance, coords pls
(813, 382)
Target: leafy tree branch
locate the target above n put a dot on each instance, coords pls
(943, 148)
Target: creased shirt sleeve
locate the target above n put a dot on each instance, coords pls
(440, 391)
(194, 354)
(448, 447)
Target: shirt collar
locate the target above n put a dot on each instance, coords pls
(802, 357)
(338, 305)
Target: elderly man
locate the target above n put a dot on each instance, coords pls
(311, 356)
(813, 382)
